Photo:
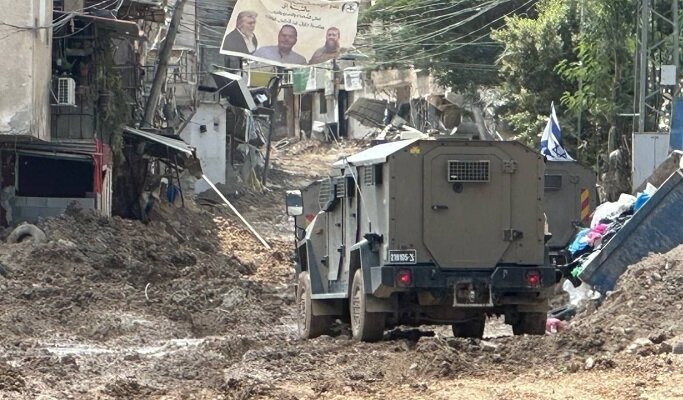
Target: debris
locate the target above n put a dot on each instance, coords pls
(24, 231)
(678, 347)
(147, 287)
(590, 363)
(553, 325)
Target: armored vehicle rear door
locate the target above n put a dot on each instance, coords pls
(467, 205)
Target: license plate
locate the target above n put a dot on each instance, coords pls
(402, 256)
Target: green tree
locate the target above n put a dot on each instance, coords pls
(602, 75)
(533, 47)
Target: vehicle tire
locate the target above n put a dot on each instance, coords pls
(365, 326)
(25, 231)
(532, 323)
(309, 326)
(473, 328)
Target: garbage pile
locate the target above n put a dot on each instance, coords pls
(608, 219)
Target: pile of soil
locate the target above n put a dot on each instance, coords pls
(95, 271)
(103, 292)
(642, 317)
(646, 305)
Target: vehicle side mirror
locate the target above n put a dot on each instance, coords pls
(294, 203)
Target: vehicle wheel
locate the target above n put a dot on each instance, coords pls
(473, 328)
(532, 323)
(308, 325)
(365, 326)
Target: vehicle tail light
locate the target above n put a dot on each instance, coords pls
(403, 277)
(533, 278)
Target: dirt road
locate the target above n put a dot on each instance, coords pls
(191, 306)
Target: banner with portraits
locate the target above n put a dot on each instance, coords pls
(291, 32)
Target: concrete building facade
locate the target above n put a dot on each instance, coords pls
(26, 44)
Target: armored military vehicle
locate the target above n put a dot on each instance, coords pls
(570, 197)
(425, 232)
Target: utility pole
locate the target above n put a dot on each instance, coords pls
(162, 67)
(656, 50)
(657, 83)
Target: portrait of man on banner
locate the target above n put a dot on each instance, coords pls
(330, 50)
(283, 52)
(242, 38)
(291, 32)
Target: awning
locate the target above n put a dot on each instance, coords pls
(175, 144)
(163, 147)
(54, 154)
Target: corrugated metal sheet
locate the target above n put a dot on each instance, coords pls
(369, 112)
(175, 144)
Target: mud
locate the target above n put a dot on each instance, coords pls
(192, 306)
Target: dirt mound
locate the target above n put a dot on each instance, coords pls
(643, 316)
(646, 305)
(100, 278)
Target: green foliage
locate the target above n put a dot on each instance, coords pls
(603, 73)
(533, 48)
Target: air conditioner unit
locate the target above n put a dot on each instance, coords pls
(66, 92)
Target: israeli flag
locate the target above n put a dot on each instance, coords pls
(550, 141)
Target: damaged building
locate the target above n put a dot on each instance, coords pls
(75, 89)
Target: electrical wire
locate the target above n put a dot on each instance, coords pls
(74, 33)
(429, 35)
(450, 42)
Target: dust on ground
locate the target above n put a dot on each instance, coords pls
(192, 306)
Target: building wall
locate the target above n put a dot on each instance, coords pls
(30, 209)
(331, 105)
(210, 145)
(26, 72)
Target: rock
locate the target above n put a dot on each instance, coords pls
(678, 348)
(488, 346)
(66, 243)
(637, 345)
(658, 338)
(590, 363)
(412, 366)
(656, 276)
(665, 348)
